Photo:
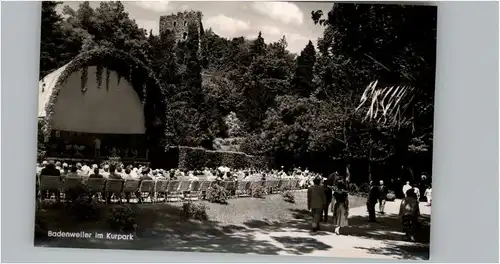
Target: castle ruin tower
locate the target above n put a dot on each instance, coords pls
(178, 24)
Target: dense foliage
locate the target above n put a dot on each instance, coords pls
(217, 194)
(360, 103)
(196, 211)
(122, 218)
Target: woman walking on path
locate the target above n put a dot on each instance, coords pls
(409, 212)
(340, 207)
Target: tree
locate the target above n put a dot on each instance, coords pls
(267, 76)
(258, 47)
(365, 43)
(401, 59)
(53, 52)
(304, 73)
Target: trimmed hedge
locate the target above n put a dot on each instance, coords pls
(197, 158)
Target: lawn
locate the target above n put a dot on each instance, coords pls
(164, 227)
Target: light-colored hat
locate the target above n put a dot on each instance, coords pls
(65, 165)
(45, 162)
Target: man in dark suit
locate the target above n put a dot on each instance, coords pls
(328, 186)
(316, 200)
(382, 192)
(373, 196)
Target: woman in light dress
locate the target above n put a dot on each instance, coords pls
(340, 207)
(409, 213)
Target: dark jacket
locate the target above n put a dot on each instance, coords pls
(95, 176)
(382, 192)
(115, 176)
(373, 194)
(50, 171)
(145, 178)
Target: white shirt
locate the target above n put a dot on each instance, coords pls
(428, 192)
(406, 187)
(417, 192)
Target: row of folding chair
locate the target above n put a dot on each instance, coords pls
(169, 190)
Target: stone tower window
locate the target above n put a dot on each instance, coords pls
(184, 35)
(175, 24)
(185, 23)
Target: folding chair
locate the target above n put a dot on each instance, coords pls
(194, 191)
(184, 188)
(71, 186)
(242, 188)
(204, 185)
(268, 185)
(113, 188)
(95, 186)
(161, 189)
(285, 185)
(50, 184)
(130, 187)
(294, 184)
(146, 189)
(173, 191)
(275, 186)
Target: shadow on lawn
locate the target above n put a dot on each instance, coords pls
(388, 229)
(163, 227)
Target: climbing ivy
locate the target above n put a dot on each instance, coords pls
(143, 77)
(83, 79)
(98, 75)
(108, 72)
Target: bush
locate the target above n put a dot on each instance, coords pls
(289, 196)
(390, 196)
(122, 218)
(84, 208)
(195, 211)
(258, 191)
(216, 194)
(116, 161)
(195, 158)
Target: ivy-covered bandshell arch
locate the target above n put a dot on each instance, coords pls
(140, 76)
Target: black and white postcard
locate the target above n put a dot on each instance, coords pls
(278, 128)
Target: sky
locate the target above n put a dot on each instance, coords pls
(237, 18)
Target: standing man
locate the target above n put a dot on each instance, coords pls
(316, 201)
(382, 189)
(328, 186)
(373, 196)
